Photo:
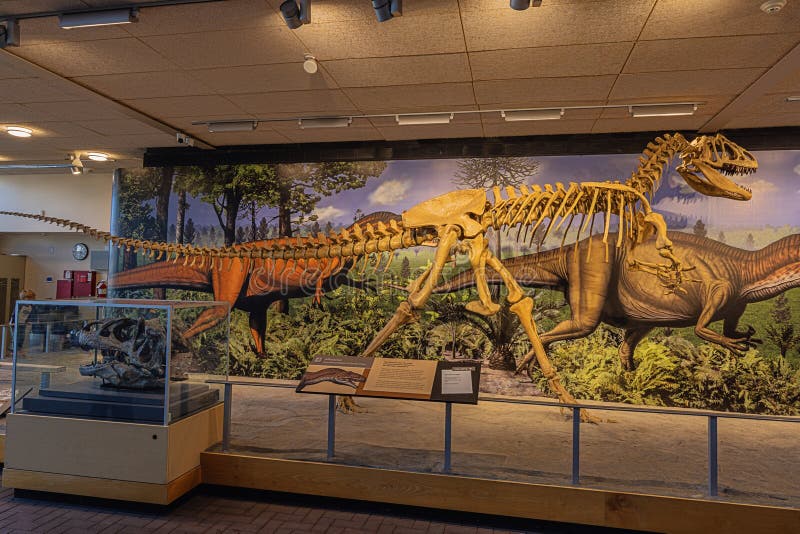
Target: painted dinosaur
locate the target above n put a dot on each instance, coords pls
(250, 290)
(727, 279)
(460, 219)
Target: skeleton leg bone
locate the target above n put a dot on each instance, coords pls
(522, 307)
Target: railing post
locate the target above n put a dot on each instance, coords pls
(331, 426)
(226, 416)
(576, 446)
(712, 456)
(448, 434)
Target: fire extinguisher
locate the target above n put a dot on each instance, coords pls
(102, 289)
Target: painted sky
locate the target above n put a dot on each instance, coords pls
(776, 190)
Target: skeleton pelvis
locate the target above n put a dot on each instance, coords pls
(457, 208)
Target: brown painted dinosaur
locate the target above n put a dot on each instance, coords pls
(252, 291)
(726, 280)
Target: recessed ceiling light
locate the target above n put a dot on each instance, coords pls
(773, 6)
(97, 156)
(19, 131)
(310, 65)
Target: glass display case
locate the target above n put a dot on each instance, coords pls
(135, 361)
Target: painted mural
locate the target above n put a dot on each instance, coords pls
(744, 258)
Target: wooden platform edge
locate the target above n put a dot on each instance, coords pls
(2, 448)
(102, 488)
(514, 499)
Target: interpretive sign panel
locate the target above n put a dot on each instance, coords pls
(394, 378)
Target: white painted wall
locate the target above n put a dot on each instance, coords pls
(48, 248)
(85, 199)
(48, 255)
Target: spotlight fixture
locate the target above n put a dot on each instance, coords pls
(532, 114)
(19, 131)
(90, 19)
(386, 9)
(294, 14)
(522, 5)
(76, 165)
(9, 33)
(325, 122)
(98, 156)
(310, 64)
(662, 110)
(770, 7)
(423, 118)
(232, 126)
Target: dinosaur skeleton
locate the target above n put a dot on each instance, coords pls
(458, 221)
(133, 352)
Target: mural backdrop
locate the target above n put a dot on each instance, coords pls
(239, 204)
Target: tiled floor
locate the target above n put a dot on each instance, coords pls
(212, 510)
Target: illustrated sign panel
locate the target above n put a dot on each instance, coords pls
(441, 381)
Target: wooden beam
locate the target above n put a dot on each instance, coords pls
(786, 66)
(515, 499)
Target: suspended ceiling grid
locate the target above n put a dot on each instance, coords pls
(121, 89)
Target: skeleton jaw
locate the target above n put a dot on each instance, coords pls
(706, 179)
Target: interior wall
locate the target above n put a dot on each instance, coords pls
(48, 256)
(85, 198)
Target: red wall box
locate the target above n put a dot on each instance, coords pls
(84, 283)
(64, 289)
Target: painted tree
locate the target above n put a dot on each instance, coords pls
(189, 232)
(136, 218)
(700, 228)
(750, 242)
(228, 188)
(405, 269)
(781, 331)
(263, 229)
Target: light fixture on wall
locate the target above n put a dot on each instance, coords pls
(532, 114)
(91, 19)
(522, 5)
(9, 33)
(662, 110)
(76, 165)
(325, 122)
(423, 118)
(98, 156)
(294, 14)
(232, 126)
(19, 131)
(386, 9)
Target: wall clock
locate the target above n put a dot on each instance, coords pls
(80, 251)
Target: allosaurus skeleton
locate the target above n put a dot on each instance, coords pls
(458, 222)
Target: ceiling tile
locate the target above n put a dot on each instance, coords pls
(773, 104)
(249, 46)
(25, 90)
(403, 36)
(119, 127)
(406, 98)
(789, 84)
(500, 128)
(187, 106)
(263, 78)
(262, 136)
(684, 83)
(22, 113)
(209, 17)
(145, 85)
(108, 143)
(679, 18)
(646, 124)
(549, 25)
(19, 7)
(766, 120)
(298, 102)
(110, 56)
(78, 110)
(403, 70)
(550, 61)
(717, 52)
(531, 92)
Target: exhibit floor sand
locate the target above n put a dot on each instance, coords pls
(639, 452)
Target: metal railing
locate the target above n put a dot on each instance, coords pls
(712, 419)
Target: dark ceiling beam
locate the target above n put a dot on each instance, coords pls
(784, 67)
(545, 145)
